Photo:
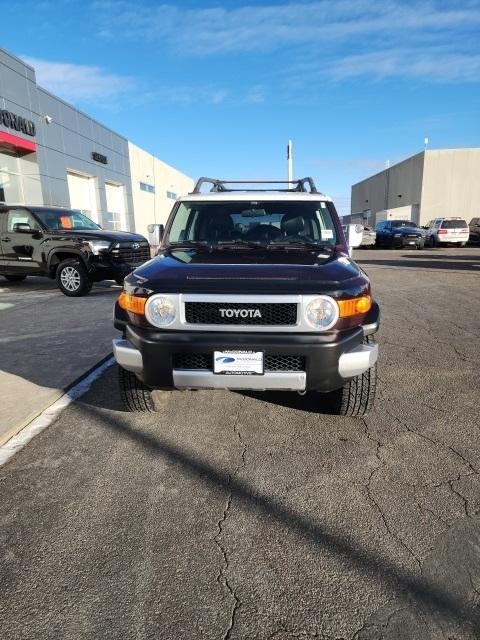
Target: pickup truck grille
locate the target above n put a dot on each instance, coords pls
(125, 252)
(204, 361)
(239, 313)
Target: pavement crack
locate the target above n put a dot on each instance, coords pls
(457, 493)
(385, 522)
(433, 441)
(221, 576)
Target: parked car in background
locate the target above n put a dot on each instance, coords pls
(474, 230)
(67, 246)
(368, 237)
(447, 230)
(397, 234)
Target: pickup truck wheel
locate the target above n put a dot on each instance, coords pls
(15, 278)
(135, 395)
(357, 396)
(72, 278)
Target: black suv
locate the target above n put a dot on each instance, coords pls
(65, 245)
(398, 234)
(250, 290)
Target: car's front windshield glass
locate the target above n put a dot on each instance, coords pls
(65, 219)
(263, 222)
(403, 223)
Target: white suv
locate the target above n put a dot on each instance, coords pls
(447, 230)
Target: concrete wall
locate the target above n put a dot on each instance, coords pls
(451, 184)
(397, 186)
(154, 207)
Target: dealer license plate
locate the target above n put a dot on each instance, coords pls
(242, 363)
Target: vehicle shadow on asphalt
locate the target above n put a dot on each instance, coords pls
(312, 402)
(420, 595)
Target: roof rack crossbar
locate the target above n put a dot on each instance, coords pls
(219, 185)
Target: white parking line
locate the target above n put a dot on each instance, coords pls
(45, 419)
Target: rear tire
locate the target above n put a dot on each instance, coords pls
(72, 279)
(462, 244)
(15, 278)
(136, 397)
(432, 243)
(357, 396)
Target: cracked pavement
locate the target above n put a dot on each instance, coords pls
(249, 516)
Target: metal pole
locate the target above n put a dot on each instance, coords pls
(290, 161)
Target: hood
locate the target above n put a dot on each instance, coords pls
(249, 272)
(100, 234)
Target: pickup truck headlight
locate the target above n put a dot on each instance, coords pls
(322, 313)
(98, 246)
(160, 311)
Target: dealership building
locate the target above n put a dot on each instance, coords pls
(431, 184)
(51, 153)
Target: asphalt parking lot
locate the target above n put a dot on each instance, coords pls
(250, 516)
(47, 341)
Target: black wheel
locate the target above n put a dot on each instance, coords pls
(119, 281)
(431, 242)
(72, 278)
(420, 245)
(135, 395)
(462, 244)
(357, 396)
(15, 278)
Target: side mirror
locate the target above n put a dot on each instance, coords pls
(155, 232)
(22, 227)
(354, 236)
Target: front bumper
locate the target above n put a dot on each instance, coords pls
(328, 360)
(405, 241)
(101, 268)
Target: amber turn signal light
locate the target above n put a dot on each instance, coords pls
(135, 304)
(354, 305)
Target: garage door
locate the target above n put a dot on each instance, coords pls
(116, 209)
(83, 194)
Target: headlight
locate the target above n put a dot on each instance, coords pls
(322, 313)
(98, 246)
(160, 311)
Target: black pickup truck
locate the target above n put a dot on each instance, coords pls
(66, 245)
(251, 290)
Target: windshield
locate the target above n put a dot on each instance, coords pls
(403, 223)
(65, 219)
(248, 223)
(454, 224)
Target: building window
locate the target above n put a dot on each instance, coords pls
(147, 187)
(172, 195)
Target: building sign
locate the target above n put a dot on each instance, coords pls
(12, 121)
(98, 157)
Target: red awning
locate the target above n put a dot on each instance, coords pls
(16, 144)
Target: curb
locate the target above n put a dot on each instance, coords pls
(80, 386)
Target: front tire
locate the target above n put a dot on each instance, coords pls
(72, 279)
(357, 396)
(136, 397)
(15, 278)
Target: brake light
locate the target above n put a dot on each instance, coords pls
(354, 305)
(135, 304)
(440, 231)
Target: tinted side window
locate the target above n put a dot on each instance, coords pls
(20, 216)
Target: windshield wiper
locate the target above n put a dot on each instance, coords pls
(299, 244)
(190, 244)
(255, 244)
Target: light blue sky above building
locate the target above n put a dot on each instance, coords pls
(218, 89)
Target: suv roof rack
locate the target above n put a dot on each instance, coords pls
(219, 185)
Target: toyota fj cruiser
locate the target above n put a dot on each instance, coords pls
(252, 290)
(66, 245)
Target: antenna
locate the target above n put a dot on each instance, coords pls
(290, 161)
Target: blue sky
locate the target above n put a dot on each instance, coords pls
(217, 89)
